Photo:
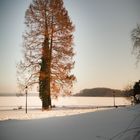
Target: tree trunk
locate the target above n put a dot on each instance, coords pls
(46, 96)
(44, 78)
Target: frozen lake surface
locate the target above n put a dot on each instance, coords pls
(11, 102)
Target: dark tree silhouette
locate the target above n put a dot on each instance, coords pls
(48, 51)
(136, 91)
(137, 88)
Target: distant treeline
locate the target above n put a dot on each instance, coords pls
(17, 94)
(102, 92)
(94, 92)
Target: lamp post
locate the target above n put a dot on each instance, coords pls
(26, 99)
(114, 98)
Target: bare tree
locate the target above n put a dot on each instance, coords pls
(135, 35)
(47, 49)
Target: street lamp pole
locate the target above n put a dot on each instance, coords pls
(26, 99)
(114, 98)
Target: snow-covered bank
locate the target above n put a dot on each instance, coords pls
(113, 124)
(37, 113)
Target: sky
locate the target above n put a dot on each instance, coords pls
(102, 42)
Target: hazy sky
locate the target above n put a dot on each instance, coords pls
(102, 42)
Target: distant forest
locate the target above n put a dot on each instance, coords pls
(102, 92)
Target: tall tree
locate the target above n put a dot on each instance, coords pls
(135, 35)
(136, 91)
(48, 51)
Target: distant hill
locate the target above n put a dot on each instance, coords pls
(101, 92)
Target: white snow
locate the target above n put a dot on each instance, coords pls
(68, 124)
(38, 113)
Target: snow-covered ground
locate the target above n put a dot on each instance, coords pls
(14, 107)
(68, 124)
(37, 113)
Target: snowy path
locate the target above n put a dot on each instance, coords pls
(113, 124)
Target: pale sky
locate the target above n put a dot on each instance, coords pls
(102, 42)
